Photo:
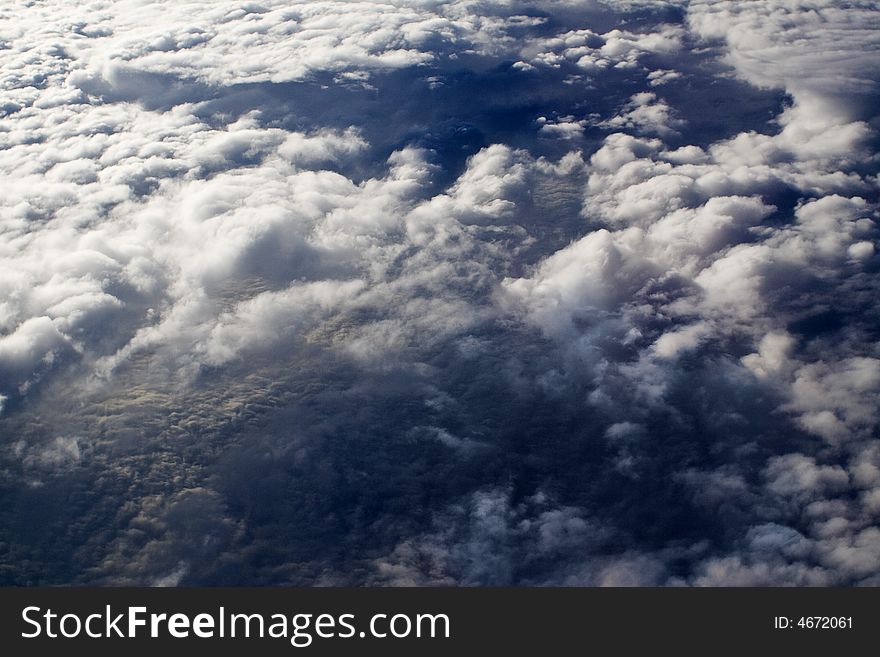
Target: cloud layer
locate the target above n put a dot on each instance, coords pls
(439, 292)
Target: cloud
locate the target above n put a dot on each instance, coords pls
(32, 345)
(697, 219)
(565, 127)
(772, 43)
(645, 114)
(593, 52)
(496, 293)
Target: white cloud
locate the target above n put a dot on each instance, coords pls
(322, 148)
(697, 216)
(143, 247)
(564, 127)
(123, 50)
(645, 114)
(773, 43)
(33, 342)
(594, 52)
(660, 77)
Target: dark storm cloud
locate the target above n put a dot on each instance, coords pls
(439, 292)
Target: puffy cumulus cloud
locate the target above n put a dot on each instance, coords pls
(186, 259)
(323, 148)
(839, 398)
(181, 218)
(593, 52)
(662, 76)
(564, 127)
(700, 248)
(594, 274)
(123, 49)
(439, 292)
(150, 51)
(645, 114)
(85, 252)
(773, 43)
(33, 343)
